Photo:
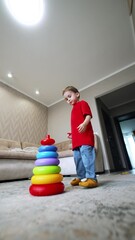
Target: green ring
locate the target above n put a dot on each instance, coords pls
(40, 170)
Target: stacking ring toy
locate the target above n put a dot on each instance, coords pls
(47, 189)
(46, 170)
(47, 161)
(48, 154)
(46, 179)
(47, 148)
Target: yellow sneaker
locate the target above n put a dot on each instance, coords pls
(75, 182)
(89, 183)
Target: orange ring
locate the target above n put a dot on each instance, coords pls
(46, 179)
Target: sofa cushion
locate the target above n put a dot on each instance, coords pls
(5, 144)
(30, 149)
(66, 153)
(10, 149)
(27, 145)
(14, 144)
(10, 154)
(62, 146)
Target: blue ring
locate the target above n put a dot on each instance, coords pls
(47, 148)
(49, 154)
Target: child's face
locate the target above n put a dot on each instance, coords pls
(71, 97)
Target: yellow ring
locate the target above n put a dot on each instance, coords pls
(46, 179)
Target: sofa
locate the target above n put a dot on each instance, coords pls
(17, 159)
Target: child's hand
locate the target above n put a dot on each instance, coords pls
(81, 128)
(69, 135)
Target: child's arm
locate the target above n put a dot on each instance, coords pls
(82, 127)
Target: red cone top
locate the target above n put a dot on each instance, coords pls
(47, 141)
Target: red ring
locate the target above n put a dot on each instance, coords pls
(46, 189)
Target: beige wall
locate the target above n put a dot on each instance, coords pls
(59, 114)
(21, 118)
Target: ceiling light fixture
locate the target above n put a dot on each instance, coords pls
(37, 92)
(10, 75)
(28, 12)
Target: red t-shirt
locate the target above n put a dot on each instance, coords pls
(78, 114)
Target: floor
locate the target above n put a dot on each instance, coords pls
(103, 213)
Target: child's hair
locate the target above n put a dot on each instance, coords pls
(71, 88)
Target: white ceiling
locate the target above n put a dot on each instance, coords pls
(78, 42)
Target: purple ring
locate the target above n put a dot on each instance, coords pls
(47, 161)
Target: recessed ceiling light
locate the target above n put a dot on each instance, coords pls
(37, 92)
(28, 12)
(10, 75)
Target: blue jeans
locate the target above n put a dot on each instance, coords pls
(84, 158)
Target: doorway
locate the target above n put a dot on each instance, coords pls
(110, 139)
(116, 111)
(112, 142)
(125, 125)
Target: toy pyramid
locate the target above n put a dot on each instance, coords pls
(47, 179)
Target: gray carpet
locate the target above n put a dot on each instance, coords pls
(106, 212)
